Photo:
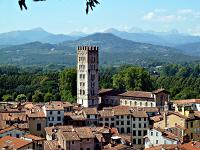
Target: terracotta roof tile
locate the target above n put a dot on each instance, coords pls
(15, 143)
(90, 111)
(71, 136)
(51, 145)
(84, 132)
(7, 129)
(187, 101)
(137, 94)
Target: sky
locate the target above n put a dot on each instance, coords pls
(65, 16)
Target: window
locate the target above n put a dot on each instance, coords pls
(58, 112)
(139, 141)
(122, 130)
(51, 124)
(101, 119)
(112, 119)
(134, 133)
(133, 118)
(151, 133)
(145, 119)
(140, 103)
(128, 122)
(134, 125)
(156, 141)
(156, 133)
(122, 117)
(50, 112)
(146, 104)
(135, 103)
(128, 130)
(140, 119)
(106, 119)
(145, 132)
(139, 133)
(140, 125)
(191, 136)
(134, 141)
(117, 117)
(122, 122)
(191, 124)
(117, 122)
(106, 124)
(112, 124)
(145, 125)
(17, 135)
(58, 118)
(88, 139)
(128, 117)
(38, 126)
(72, 142)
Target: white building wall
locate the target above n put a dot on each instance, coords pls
(137, 103)
(155, 138)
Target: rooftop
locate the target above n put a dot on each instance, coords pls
(13, 142)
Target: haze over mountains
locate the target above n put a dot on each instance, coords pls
(116, 47)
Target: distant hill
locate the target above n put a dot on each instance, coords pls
(192, 49)
(113, 51)
(37, 34)
(171, 38)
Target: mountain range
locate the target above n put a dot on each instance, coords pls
(114, 50)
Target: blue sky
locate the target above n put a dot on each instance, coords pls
(65, 16)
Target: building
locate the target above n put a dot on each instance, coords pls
(54, 112)
(128, 121)
(112, 97)
(180, 105)
(188, 124)
(157, 136)
(37, 121)
(38, 142)
(8, 142)
(87, 76)
(12, 131)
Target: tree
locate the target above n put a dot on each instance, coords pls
(21, 97)
(7, 98)
(38, 96)
(133, 78)
(67, 84)
(90, 4)
(48, 97)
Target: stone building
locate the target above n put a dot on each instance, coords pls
(87, 76)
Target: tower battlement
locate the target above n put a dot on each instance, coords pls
(89, 48)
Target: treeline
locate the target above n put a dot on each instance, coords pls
(36, 84)
(41, 85)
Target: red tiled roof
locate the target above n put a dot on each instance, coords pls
(7, 129)
(15, 143)
(187, 101)
(51, 145)
(138, 94)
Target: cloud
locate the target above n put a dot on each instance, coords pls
(166, 16)
(149, 16)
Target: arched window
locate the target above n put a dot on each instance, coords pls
(135, 103)
(125, 102)
(130, 103)
(146, 104)
(140, 103)
(151, 104)
(80, 92)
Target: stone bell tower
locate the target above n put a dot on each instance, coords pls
(87, 76)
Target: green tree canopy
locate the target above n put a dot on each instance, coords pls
(7, 98)
(67, 84)
(132, 78)
(21, 97)
(38, 96)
